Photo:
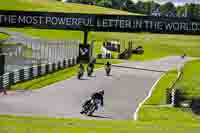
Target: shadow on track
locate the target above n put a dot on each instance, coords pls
(92, 76)
(84, 79)
(99, 116)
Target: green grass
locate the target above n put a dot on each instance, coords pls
(169, 115)
(190, 83)
(41, 5)
(13, 124)
(161, 45)
(3, 36)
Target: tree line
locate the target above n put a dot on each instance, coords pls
(147, 8)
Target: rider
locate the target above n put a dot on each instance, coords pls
(91, 65)
(183, 56)
(108, 64)
(96, 96)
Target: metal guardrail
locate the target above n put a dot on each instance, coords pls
(25, 74)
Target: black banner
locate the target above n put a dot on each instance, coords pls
(99, 22)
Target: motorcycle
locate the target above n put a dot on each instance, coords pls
(90, 106)
(89, 71)
(108, 69)
(80, 74)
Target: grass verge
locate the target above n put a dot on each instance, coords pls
(14, 124)
(158, 96)
(3, 36)
(36, 125)
(153, 109)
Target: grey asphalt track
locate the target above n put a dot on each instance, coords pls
(124, 90)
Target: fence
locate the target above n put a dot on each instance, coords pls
(29, 73)
(174, 95)
(38, 51)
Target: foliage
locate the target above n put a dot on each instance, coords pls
(145, 7)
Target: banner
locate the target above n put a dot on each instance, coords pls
(99, 22)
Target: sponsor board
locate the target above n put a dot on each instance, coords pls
(99, 22)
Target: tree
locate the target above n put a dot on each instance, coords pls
(129, 6)
(181, 11)
(104, 3)
(167, 7)
(140, 7)
(148, 7)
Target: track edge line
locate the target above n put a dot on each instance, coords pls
(135, 116)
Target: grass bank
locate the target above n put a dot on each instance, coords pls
(190, 83)
(53, 6)
(161, 45)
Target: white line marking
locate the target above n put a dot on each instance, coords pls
(135, 116)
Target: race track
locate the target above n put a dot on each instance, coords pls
(124, 90)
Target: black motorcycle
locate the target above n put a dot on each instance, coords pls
(80, 74)
(90, 106)
(89, 71)
(108, 69)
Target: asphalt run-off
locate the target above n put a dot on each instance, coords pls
(125, 89)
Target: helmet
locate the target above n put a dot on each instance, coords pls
(101, 92)
(108, 63)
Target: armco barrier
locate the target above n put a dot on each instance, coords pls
(29, 73)
(173, 96)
